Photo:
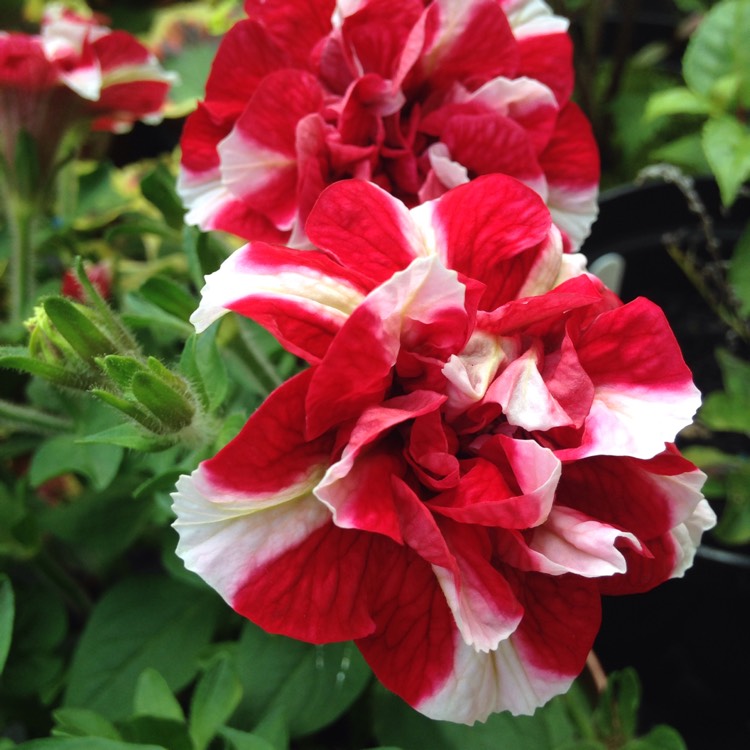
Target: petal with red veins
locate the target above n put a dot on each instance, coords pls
(412, 650)
(644, 392)
(365, 228)
(357, 488)
(431, 451)
(572, 542)
(295, 26)
(302, 297)
(483, 604)
(484, 495)
(482, 228)
(426, 300)
(521, 314)
(538, 661)
(254, 500)
(571, 165)
(235, 74)
(488, 142)
(259, 157)
(526, 101)
(548, 57)
(376, 33)
(473, 43)
(647, 498)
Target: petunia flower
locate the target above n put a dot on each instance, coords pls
(480, 447)
(74, 74)
(416, 96)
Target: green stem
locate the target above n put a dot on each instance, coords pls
(22, 263)
(27, 419)
(258, 362)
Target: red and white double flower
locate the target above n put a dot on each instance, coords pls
(480, 448)
(417, 96)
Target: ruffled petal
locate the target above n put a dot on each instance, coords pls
(303, 298)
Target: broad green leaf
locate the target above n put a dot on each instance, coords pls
(81, 722)
(140, 313)
(84, 743)
(729, 410)
(7, 615)
(311, 685)
(100, 525)
(734, 522)
(169, 296)
(719, 48)
(152, 729)
(726, 142)
(739, 272)
(239, 740)
(659, 738)
(676, 101)
(215, 697)
(63, 454)
(40, 626)
(158, 187)
(616, 715)
(129, 435)
(139, 623)
(153, 697)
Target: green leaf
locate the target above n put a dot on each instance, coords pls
(166, 732)
(129, 435)
(659, 738)
(23, 363)
(311, 685)
(62, 455)
(719, 48)
(616, 715)
(675, 101)
(216, 696)
(140, 313)
(139, 623)
(169, 296)
(734, 523)
(84, 743)
(100, 525)
(729, 410)
(239, 740)
(726, 142)
(203, 366)
(7, 614)
(158, 187)
(739, 272)
(153, 697)
(81, 722)
(40, 625)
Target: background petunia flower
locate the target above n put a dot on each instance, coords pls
(74, 74)
(480, 448)
(417, 97)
